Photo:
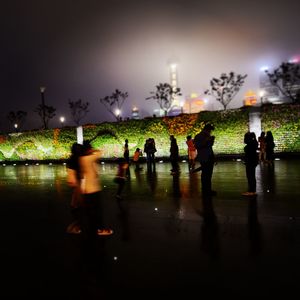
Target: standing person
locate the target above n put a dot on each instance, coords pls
(73, 179)
(192, 153)
(174, 155)
(251, 161)
(126, 156)
(204, 142)
(270, 145)
(150, 149)
(262, 147)
(91, 191)
(136, 159)
(120, 178)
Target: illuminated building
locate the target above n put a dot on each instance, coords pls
(295, 86)
(193, 104)
(250, 98)
(135, 113)
(272, 93)
(176, 109)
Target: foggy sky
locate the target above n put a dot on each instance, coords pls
(86, 49)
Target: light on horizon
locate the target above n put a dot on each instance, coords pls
(261, 93)
(294, 60)
(264, 68)
(173, 67)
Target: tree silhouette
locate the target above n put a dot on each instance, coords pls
(46, 113)
(17, 119)
(287, 79)
(79, 109)
(226, 87)
(164, 95)
(114, 103)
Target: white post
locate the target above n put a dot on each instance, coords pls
(79, 131)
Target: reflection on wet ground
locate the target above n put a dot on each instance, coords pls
(168, 239)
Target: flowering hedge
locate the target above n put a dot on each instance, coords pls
(284, 122)
(230, 127)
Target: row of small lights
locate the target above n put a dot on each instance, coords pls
(102, 162)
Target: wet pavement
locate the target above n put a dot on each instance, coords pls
(168, 242)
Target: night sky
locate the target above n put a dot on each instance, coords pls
(86, 49)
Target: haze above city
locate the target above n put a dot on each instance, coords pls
(85, 49)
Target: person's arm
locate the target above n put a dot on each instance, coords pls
(71, 177)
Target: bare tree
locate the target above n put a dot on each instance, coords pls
(114, 103)
(17, 119)
(226, 87)
(46, 113)
(165, 95)
(287, 79)
(79, 109)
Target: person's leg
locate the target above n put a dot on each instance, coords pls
(91, 215)
(250, 173)
(206, 176)
(252, 179)
(121, 183)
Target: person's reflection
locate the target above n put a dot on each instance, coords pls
(254, 228)
(174, 222)
(93, 268)
(210, 230)
(152, 180)
(176, 187)
(123, 216)
(193, 191)
(268, 181)
(138, 177)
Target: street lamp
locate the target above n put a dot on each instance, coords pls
(181, 106)
(16, 127)
(62, 120)
(42, 90)
(261, 95)
(118, 113)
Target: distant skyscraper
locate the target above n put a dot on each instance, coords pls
(194, 103)
(174, 79)
(135, 113)
(271, 93)
(173, 70)
(250, 98)
(293, 87)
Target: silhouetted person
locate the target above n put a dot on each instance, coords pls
(262, 147)
(150, 149)
(126, 156)
(270, 145)
(251, 161)
(174, 155)
(204, 142)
